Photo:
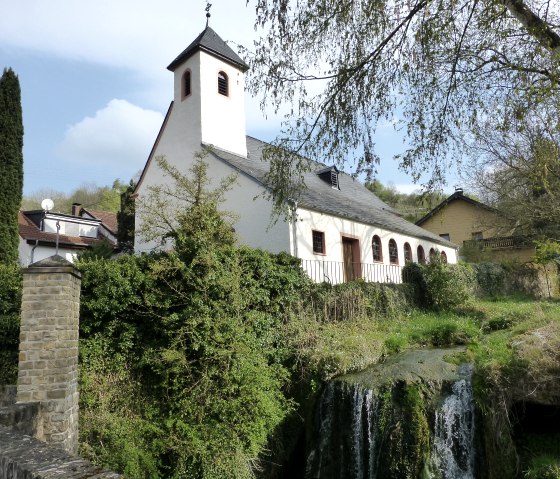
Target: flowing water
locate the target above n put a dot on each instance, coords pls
(453, 449)
(345, 452)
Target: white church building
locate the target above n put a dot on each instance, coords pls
(341, 230)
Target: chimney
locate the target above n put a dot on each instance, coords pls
(76, 209)
(459, 190)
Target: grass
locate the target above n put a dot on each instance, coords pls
(486, 327)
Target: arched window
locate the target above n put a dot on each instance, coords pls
(376, 248)
(443, 257)
(407, 253)
(186, 84)
(223, 87)
(432, 253)
(393, 252)
(421, 255)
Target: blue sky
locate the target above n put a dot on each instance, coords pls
(95, 86)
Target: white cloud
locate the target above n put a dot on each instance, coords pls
(126, 33)
(408, 188)
(119, 136)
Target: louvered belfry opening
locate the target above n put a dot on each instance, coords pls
(187, 84)
(223, 84)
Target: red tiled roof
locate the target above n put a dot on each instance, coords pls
(29, 231)
(109, 220)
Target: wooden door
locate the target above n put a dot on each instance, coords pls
(349, 259)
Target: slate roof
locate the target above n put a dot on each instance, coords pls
(457, 196)
(352, 201)
(210, 42)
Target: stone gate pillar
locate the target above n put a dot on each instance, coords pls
(48, 350)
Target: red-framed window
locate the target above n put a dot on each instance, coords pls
(318, 238)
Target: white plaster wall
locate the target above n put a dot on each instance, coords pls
(223, 117)
(335, 228)
(42, 252)
(253, 225)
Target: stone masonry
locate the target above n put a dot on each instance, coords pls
(48, 357)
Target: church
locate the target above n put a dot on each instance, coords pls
(340, 231)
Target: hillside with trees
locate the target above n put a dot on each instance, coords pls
(89, 195)
(412, 206)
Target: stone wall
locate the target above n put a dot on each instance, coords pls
(23, 457)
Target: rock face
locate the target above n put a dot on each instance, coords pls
(521, 400)
(410, 417)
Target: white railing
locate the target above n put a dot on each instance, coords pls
(336, 272)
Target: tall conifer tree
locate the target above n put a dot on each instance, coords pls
(11, 165)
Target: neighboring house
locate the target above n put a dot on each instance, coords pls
(108, 227)
(341, 230)
(474, 227)
(38, 233)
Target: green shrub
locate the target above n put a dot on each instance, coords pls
(116, 418)
(201, 335)
(490, 279)
(438, 285)
(505, 320)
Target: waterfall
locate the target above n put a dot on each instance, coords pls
(452, 454)
(356, 426)
(345, 446)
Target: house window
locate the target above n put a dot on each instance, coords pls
(318, 242)
(443, 257)
(421, 255)
(407, 253)
(186, 84)
(330, 175)
(445, 236)
(432, 253)
(393, 252)
(223, 84)
(477, 235)
(376, 249)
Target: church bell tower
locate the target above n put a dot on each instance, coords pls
(209, 93)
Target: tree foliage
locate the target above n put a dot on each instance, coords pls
(126, 219)
(11, 165)
(517, 171)
(442, 66)
(184, 211)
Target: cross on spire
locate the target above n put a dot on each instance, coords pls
(208, 7)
